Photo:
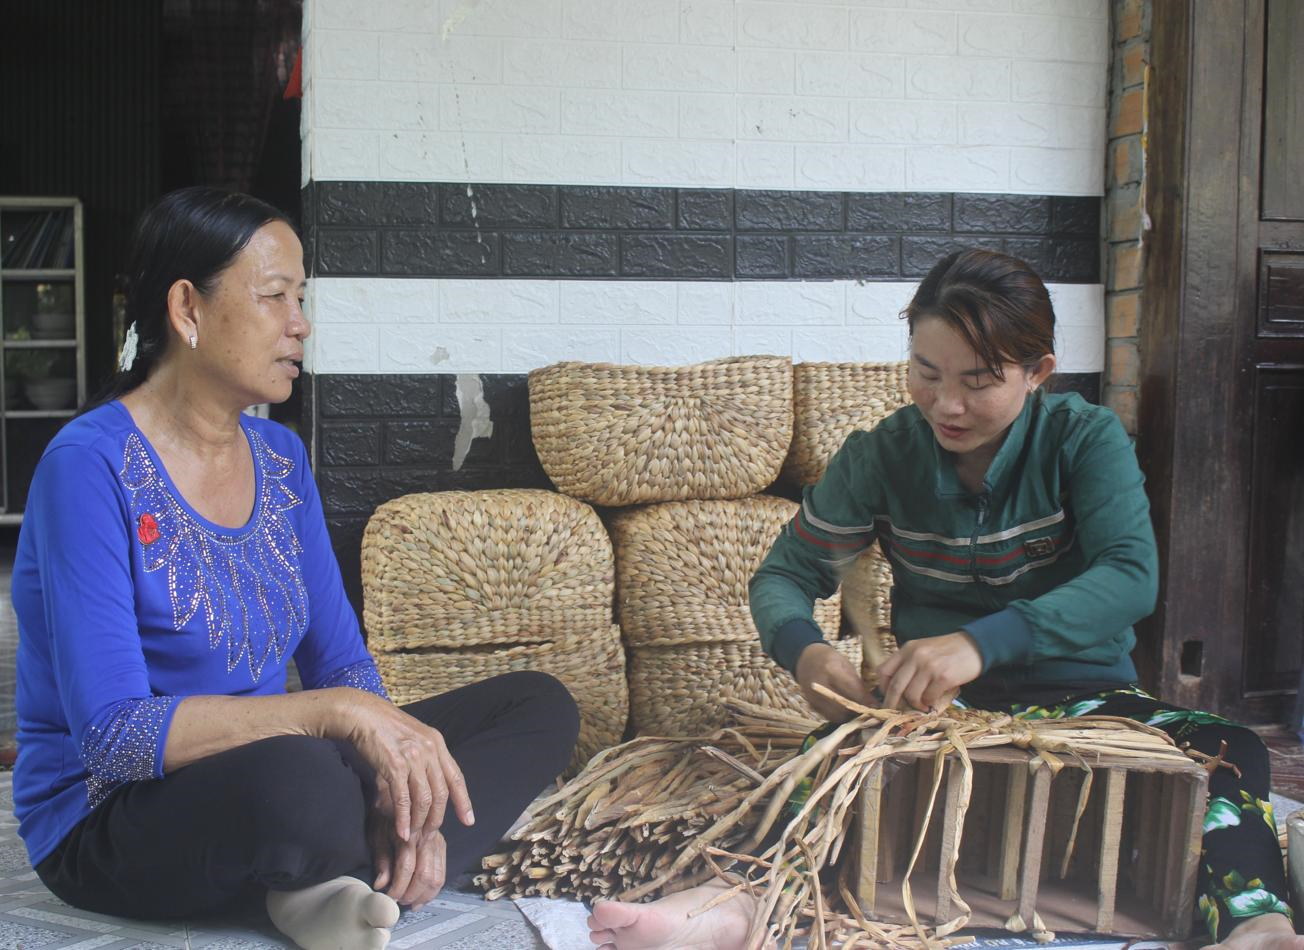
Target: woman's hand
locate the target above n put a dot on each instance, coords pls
(416, 775)
(412, 872)
(820, 663)
(929, 672)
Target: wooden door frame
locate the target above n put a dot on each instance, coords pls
(1194, 431)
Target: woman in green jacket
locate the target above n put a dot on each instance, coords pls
(1022, 553)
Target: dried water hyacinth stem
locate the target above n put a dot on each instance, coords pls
(659, 814)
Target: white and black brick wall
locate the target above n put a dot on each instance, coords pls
(494, 185)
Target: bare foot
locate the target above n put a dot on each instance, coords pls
(665, 924)
(1265, 932)
(341, 914)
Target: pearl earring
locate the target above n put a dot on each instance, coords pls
(194, 341)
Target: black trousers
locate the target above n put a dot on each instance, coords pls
(289, 812)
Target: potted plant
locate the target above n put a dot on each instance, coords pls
(32, 368)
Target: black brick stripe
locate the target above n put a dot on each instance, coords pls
(431, 229)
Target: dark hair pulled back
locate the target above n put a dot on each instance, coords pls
(996, 302)
(189, 234)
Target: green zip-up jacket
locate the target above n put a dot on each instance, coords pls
(1047, 568)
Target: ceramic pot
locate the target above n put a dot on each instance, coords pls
(50, 394)
(52, 326)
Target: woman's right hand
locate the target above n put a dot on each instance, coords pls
(821, 663)
(416, 776)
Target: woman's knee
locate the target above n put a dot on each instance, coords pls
(550, 699)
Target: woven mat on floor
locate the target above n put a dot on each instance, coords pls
(31, 917)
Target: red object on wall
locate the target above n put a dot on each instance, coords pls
(294, 85)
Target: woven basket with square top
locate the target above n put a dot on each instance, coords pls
(626, 435)
(682, 571)
(460, 586)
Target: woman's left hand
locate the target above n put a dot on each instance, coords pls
(928, 673)
(412, 872)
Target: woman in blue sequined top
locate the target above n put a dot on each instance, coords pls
(173, 559)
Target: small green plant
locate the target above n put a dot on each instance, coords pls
(25, 364)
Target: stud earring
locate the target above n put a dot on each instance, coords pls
(194, 341)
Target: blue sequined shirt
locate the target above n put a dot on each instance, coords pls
(128, 601)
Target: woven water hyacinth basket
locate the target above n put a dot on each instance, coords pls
(591, 664)
(625, 435)
(682, 569)
(830, 401)
(680, 690)
(458, 569)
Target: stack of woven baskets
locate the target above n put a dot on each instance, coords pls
(459, 586)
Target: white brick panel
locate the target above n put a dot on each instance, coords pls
(652, 346)
(376, 328)
(1033, 125)
(556, 63)
(366, 300)
(1089, 9)
(351, 104)
(912, 123)
(636, 21)
(955, 77)
(860, 344)
(762, 341)
(498, 301)
(706, 22)
(839, 94)
(679, 68)
(764, 165)
(1078, 305)
(525, 350)
(1034, 37)
(1070, 84)
(420, 16)
(766, 71)
(792, 26)
(852, 75)
(1080, 349)
(343, 348)
(791, 303)
(345, 54)
(617, 303)
(499, 109)
(792, 119)
(1049, 171)
(683, 163)
(420, 57)
(972, 6)
(560, 159)
(343, 155)
(440, 349)
(851, 168)
(903, 32)
(529, 18)
(943, 168)
(879, 303)
(436, 156)
(618, 112)
(705, 115)
(706, 302)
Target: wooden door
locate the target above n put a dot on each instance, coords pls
(1222, 412)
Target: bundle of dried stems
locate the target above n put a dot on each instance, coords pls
(657, 815)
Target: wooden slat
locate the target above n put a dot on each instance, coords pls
(871, 828)
(1033, 842)
(1111, 833)
(950, 831)
(1016, 799)
(1191, 797)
